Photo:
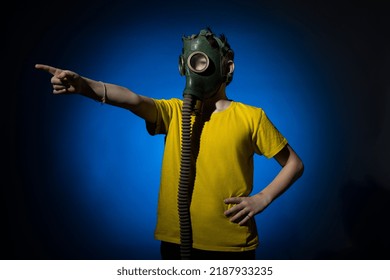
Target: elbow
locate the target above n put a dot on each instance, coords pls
(299, 169)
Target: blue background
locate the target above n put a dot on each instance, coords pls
(81, 179)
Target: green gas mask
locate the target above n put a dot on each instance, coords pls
(205, 63)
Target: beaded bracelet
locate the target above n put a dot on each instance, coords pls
(105, 92)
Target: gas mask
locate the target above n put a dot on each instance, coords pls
(204, 61)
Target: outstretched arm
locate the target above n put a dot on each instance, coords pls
(247, 207)
(68, 82)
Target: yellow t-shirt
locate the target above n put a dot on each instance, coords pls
(224, 168)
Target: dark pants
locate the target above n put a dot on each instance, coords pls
(171, 251)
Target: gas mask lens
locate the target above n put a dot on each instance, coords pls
(198, 62)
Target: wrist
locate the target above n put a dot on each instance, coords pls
(264, 197)
(104, 94)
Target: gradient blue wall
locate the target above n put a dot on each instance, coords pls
(87, 175)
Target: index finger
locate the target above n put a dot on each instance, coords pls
(47, 68)
(232, 200)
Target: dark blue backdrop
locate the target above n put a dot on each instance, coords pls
(82, 178)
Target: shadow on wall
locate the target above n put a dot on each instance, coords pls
(366, 212)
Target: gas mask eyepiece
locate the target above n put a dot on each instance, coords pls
(198, 62)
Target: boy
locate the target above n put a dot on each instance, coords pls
(204, 208)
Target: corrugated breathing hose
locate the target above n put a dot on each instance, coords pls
(185, 181)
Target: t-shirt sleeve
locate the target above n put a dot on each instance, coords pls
(166, 109)
(267, 138)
